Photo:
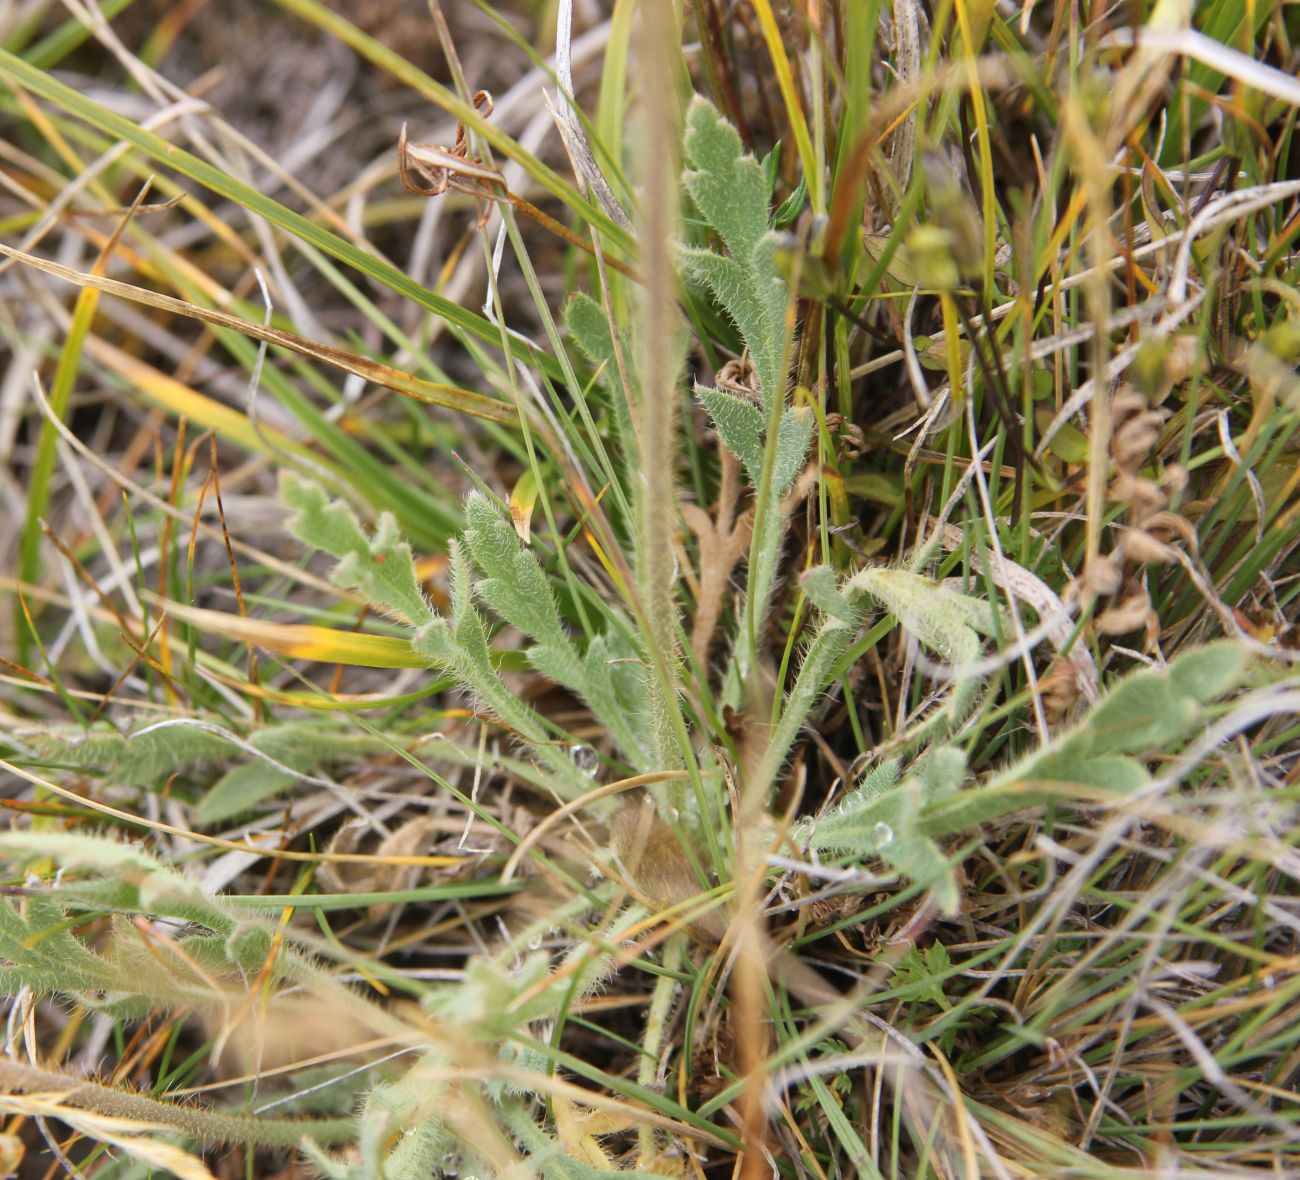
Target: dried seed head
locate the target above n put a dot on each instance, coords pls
(1180, 362)
(1126, 402)
(1169, 526)
(1104, 576)
(739, 376)
(1139, 546)
(1130, 614)
(852, 441)
(1174, 478)
(1059, 690)
(1143, 496)
(1131, 442)
(430, 169)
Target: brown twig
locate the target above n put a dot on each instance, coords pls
(430, 170)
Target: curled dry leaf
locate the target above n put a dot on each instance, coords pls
(1183, 356)
(430, 170)
(1059, 691)
(1135, 428)
(1131, 442)
(1169, 526)
(571, 129)
(1174, 478)
(1152, 542)
(1143, 496)
(1126, 404)
(657, 867)
(411, 839)
(739, 376)
(804, 485)
(851, 441)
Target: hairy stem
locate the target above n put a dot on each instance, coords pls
(206, 1126)
(659, 361)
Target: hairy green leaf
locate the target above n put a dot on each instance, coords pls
(461, 647)
(731, 193)
(750, 300)
(517, 589)
(726, 185)
(739, 425)
(589, 327)
(380, 568)
(883, 823)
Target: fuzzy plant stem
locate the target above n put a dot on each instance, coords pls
(658, 362)
(205, 1126)
(656, 1022)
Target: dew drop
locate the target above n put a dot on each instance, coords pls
(584, 758)
(883, 835)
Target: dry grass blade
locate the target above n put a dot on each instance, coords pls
(432, 392)
(803, 680)
(136, 1139)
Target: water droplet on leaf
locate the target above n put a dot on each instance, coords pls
(584, 758)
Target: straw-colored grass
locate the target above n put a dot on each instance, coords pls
(727, 611)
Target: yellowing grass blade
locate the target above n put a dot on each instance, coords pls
(38, 490)
(199, 409)
(322, 700)
(302, 641)
(793, 107)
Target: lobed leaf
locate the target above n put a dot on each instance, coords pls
(883, 823)
(726, 185)
(731, 192)
(460, 645)
(380, 568)
(516, 588)
(748, 300)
